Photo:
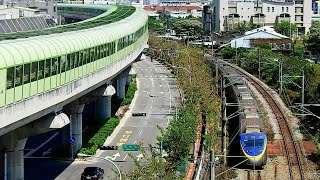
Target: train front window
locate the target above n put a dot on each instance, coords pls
(253, 143)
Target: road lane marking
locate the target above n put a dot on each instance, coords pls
(123, 140)
(145, 123)
(119, 144)
(140, 133)
(150, 107)
(125, 157)
(44, 143)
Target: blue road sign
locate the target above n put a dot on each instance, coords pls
(72, 140)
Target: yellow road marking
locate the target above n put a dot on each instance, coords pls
(123, 140)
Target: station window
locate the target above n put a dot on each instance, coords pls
(47, 68)
(26, 73)
(54, 66)
(92, 56)
(10, 77)
(18, 76)
(41, 70)
(68, 64)
(76, 59)
(63, 63)
(34, 71)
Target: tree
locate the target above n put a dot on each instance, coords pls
(154, 24)
(154, 167)
(191, 25)
(312, 42)
(286, 28)
(244, 26)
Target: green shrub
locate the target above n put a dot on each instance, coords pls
(130, 94)
(98, 139)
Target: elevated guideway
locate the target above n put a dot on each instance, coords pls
(45, 72)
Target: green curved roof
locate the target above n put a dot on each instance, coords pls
(111, 14)
(25, 50)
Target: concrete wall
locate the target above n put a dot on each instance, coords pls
(307, 9)
(245, 10)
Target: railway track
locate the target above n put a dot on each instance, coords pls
(292, 148)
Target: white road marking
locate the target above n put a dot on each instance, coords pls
(161, 92)
(150, 107)
(161, 76)
(145, 123)
(125, 157)
(160, 85)
(140, 133)
(146, 76)
(44, 143)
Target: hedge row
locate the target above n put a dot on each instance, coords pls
(99, 138)
(130, 94)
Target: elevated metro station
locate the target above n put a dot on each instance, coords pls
(47, 72)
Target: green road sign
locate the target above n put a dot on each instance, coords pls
(130, 147)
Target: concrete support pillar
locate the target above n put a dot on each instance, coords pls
(131, 72)
(128, 79)
(15, 159)
(76, 125)
(121, 87)
(103, 107)
(103, 103)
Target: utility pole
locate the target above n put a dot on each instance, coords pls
(236, 52)
(224, 122)
(280, 76)
(212, 175)
(259, 70)
(302, 93)
(217, 75)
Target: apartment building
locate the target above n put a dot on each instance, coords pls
(229, 13)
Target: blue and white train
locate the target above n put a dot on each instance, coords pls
(253, 141)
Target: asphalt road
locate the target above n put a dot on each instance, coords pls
(153, 79)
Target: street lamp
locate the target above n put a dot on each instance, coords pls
(106, 159)
(188, 70)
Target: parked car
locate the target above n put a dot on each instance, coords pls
(94, 173)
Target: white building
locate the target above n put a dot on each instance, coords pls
(17, 12)
(229, 13)
(263, 35)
